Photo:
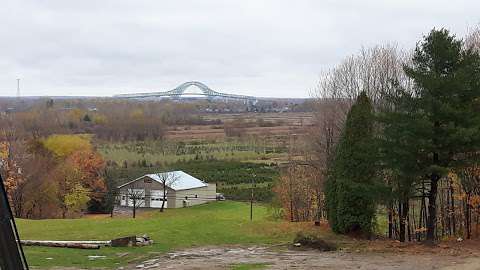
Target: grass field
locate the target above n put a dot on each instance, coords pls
(155, 152)
(219, 223)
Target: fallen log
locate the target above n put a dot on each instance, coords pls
(66, 244)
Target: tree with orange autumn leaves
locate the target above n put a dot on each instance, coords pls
(11, 155)
(469, 180)
(299, 193)
(91, 164)
(59, 176)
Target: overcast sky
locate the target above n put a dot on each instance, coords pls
(254, 47)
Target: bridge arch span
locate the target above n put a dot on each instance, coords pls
(180, 90)
(203, 87)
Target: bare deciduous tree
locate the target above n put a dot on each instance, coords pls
(167, 179)
(473, 39)
(136, 196)
(376, 71)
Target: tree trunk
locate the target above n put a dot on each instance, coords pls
(403, 213)
(66, 244)
(423, 214)
(401, 217)
(467, 216)
(406, 208)
(409, 228)
(390, 222)
(164, 197)
(432, 196)
(318, 214)
(449, 213)
(414, 222)
(442, 210)
(476, 225)
(432, 206)
(452, 209)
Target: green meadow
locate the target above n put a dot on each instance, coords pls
(218, 223)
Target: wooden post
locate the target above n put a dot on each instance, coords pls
(134, 205)
(251, 198)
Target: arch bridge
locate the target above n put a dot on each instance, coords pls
(181, 91)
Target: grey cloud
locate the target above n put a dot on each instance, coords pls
(266, 48)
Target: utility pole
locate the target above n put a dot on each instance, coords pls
(134, 205)
(11, 252)
(18, 88)
(251, 197)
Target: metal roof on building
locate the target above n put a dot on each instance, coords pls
(176, 180)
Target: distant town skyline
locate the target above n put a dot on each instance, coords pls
(270, 48)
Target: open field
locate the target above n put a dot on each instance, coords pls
(275, 126)
(256, 138)
(253, 138)
(220, 223)
(167, 152)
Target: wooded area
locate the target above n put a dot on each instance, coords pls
(413, 157)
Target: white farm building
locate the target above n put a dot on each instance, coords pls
(182, 190)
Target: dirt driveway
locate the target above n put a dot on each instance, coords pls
(224, 257)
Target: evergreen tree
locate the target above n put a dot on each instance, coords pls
(399, 149)
(441, 120)
(350, 189)
(87, 118)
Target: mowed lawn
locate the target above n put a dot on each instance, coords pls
(217, 223)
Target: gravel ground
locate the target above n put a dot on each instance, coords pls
(224, 257)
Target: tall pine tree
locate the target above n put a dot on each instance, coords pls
(399, 152)
(445, 104)
(351, 185)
